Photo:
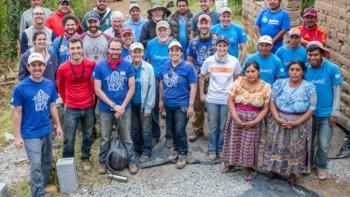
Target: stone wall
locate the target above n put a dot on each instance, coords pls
(334, 16)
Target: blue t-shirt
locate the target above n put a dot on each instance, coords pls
(126, 55)
(287, 55)
(324, 78)
(63, 50)
(137, 96)
(234, 33)
(271, 67)
(136, 27)
(115, 83)
(182, 32)
(271, 23)
(176, 83)
(200, 50)
(35, 99)
(157, 53)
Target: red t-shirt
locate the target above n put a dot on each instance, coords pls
(315, 34)
(75, 84)
(54, 22)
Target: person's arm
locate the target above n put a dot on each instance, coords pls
(301, 120)
(336, 104)
(161, 105)
(17, 119)
(279, 35)
(99, 92)
(22, 26)
(274, 113)
(56, 120)
(260, 116)
(201, 87)
(61, 85)
(193, 89)
(232, 109)
(24, 43)
(243, 54)
(22, 68)
(151, 93)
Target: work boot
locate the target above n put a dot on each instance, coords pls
(173, 156)
(169, 143)
(133, 169)
(322, 174)
(144, 158)
(211, 156)
(194, 136)
(102, 168)
(86, 165)
(181, 162)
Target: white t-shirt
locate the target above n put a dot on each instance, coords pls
(221, 78)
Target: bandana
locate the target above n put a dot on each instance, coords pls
(113, 64)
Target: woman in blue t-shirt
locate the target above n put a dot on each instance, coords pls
(288, 142)
(177, 90)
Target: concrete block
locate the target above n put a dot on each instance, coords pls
(3, 190)
(67, 175)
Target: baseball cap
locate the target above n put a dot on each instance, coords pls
(125, 30)
(294, 31)
(62, 1)
(163, 24)
(222, 38)
(175, 43)
(225, 9)
(311, 11)
(92, 16)
(265, 39)
(136, 45)
(134, 5)
(205, 17)
(35, 57)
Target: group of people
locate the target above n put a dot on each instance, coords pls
(182, 64)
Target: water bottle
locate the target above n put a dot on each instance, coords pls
(118, 177)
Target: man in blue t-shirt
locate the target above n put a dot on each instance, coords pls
(60, 44)
(327, 79)
(271, 67)
(34, 104)
(114, 80)
(274, 22)
(199, 49)
(234, 33)
(135, 22)
(156, 54)
(293, 51)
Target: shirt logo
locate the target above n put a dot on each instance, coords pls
(170, 79)
(41, 99)
(115, 81)
(264, 19)
(318, 81)
(220, 70)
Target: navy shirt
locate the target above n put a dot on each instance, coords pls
(115, 83)
(35, 99)
(137, 96)
(176, 83)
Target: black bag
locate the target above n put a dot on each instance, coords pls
(117, 156)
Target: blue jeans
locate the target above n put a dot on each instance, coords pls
(71, 119)
(155, 114)
(141, 130)
(324, 134)
(123, 126)
(176, 122)
(217, 115)
(39, 152)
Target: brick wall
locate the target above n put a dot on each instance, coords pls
(334, 16)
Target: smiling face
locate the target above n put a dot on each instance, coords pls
(274, 4)
(64, 7)
(75, 50)
(182, 7)
(225, 19)
(114, 50)
(117, 24)
(127, 38)
(135, 13)
(175, 53)
(310, 21)
(204, 27)
(251, 73)
(36, 69)
(205, 5)
(36, 3)
(101, 5)
(294, 41)
(315, 57)
(40, 42)
(38, 16)
(264, 49)
(93, 25)
(157, 15)
(136, 55)
(70, 27)
(163, 34)
(222, 48)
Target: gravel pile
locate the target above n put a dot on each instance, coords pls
(13, 165)
(194, 180)
(340, 168)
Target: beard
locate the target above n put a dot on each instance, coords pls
(93, 29)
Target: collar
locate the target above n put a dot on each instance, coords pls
(113, 64)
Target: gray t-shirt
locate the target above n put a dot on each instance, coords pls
(214, 16)
(95, 48)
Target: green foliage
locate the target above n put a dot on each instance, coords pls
(308, 3)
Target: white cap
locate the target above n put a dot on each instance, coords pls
(175, 43)
(225, 9)
(265, 39)
(163, 24)
(136, 45)
(35, 57)
(134, 5)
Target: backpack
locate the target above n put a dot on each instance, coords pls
(212, 48)
(117, 156)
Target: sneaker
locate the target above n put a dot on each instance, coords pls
(102, 168)
(133, 169)
(173, 156)
(181, 163)
(144, 158)
(86, 165)
(169, 143)
(50, 189)
(194, 136)
(211, 156)
(322, 174)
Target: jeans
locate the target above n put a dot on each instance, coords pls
(217, 115)
(324, 133)
(141, 130)
(155, 114)
(176, 122)
(123, 126)
(71, 118)
(39, 152)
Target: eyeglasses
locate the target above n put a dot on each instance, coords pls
(38, 13)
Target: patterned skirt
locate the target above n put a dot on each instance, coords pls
(288, 151)
(241, 145)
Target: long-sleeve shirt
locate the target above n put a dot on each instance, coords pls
(54, 22)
